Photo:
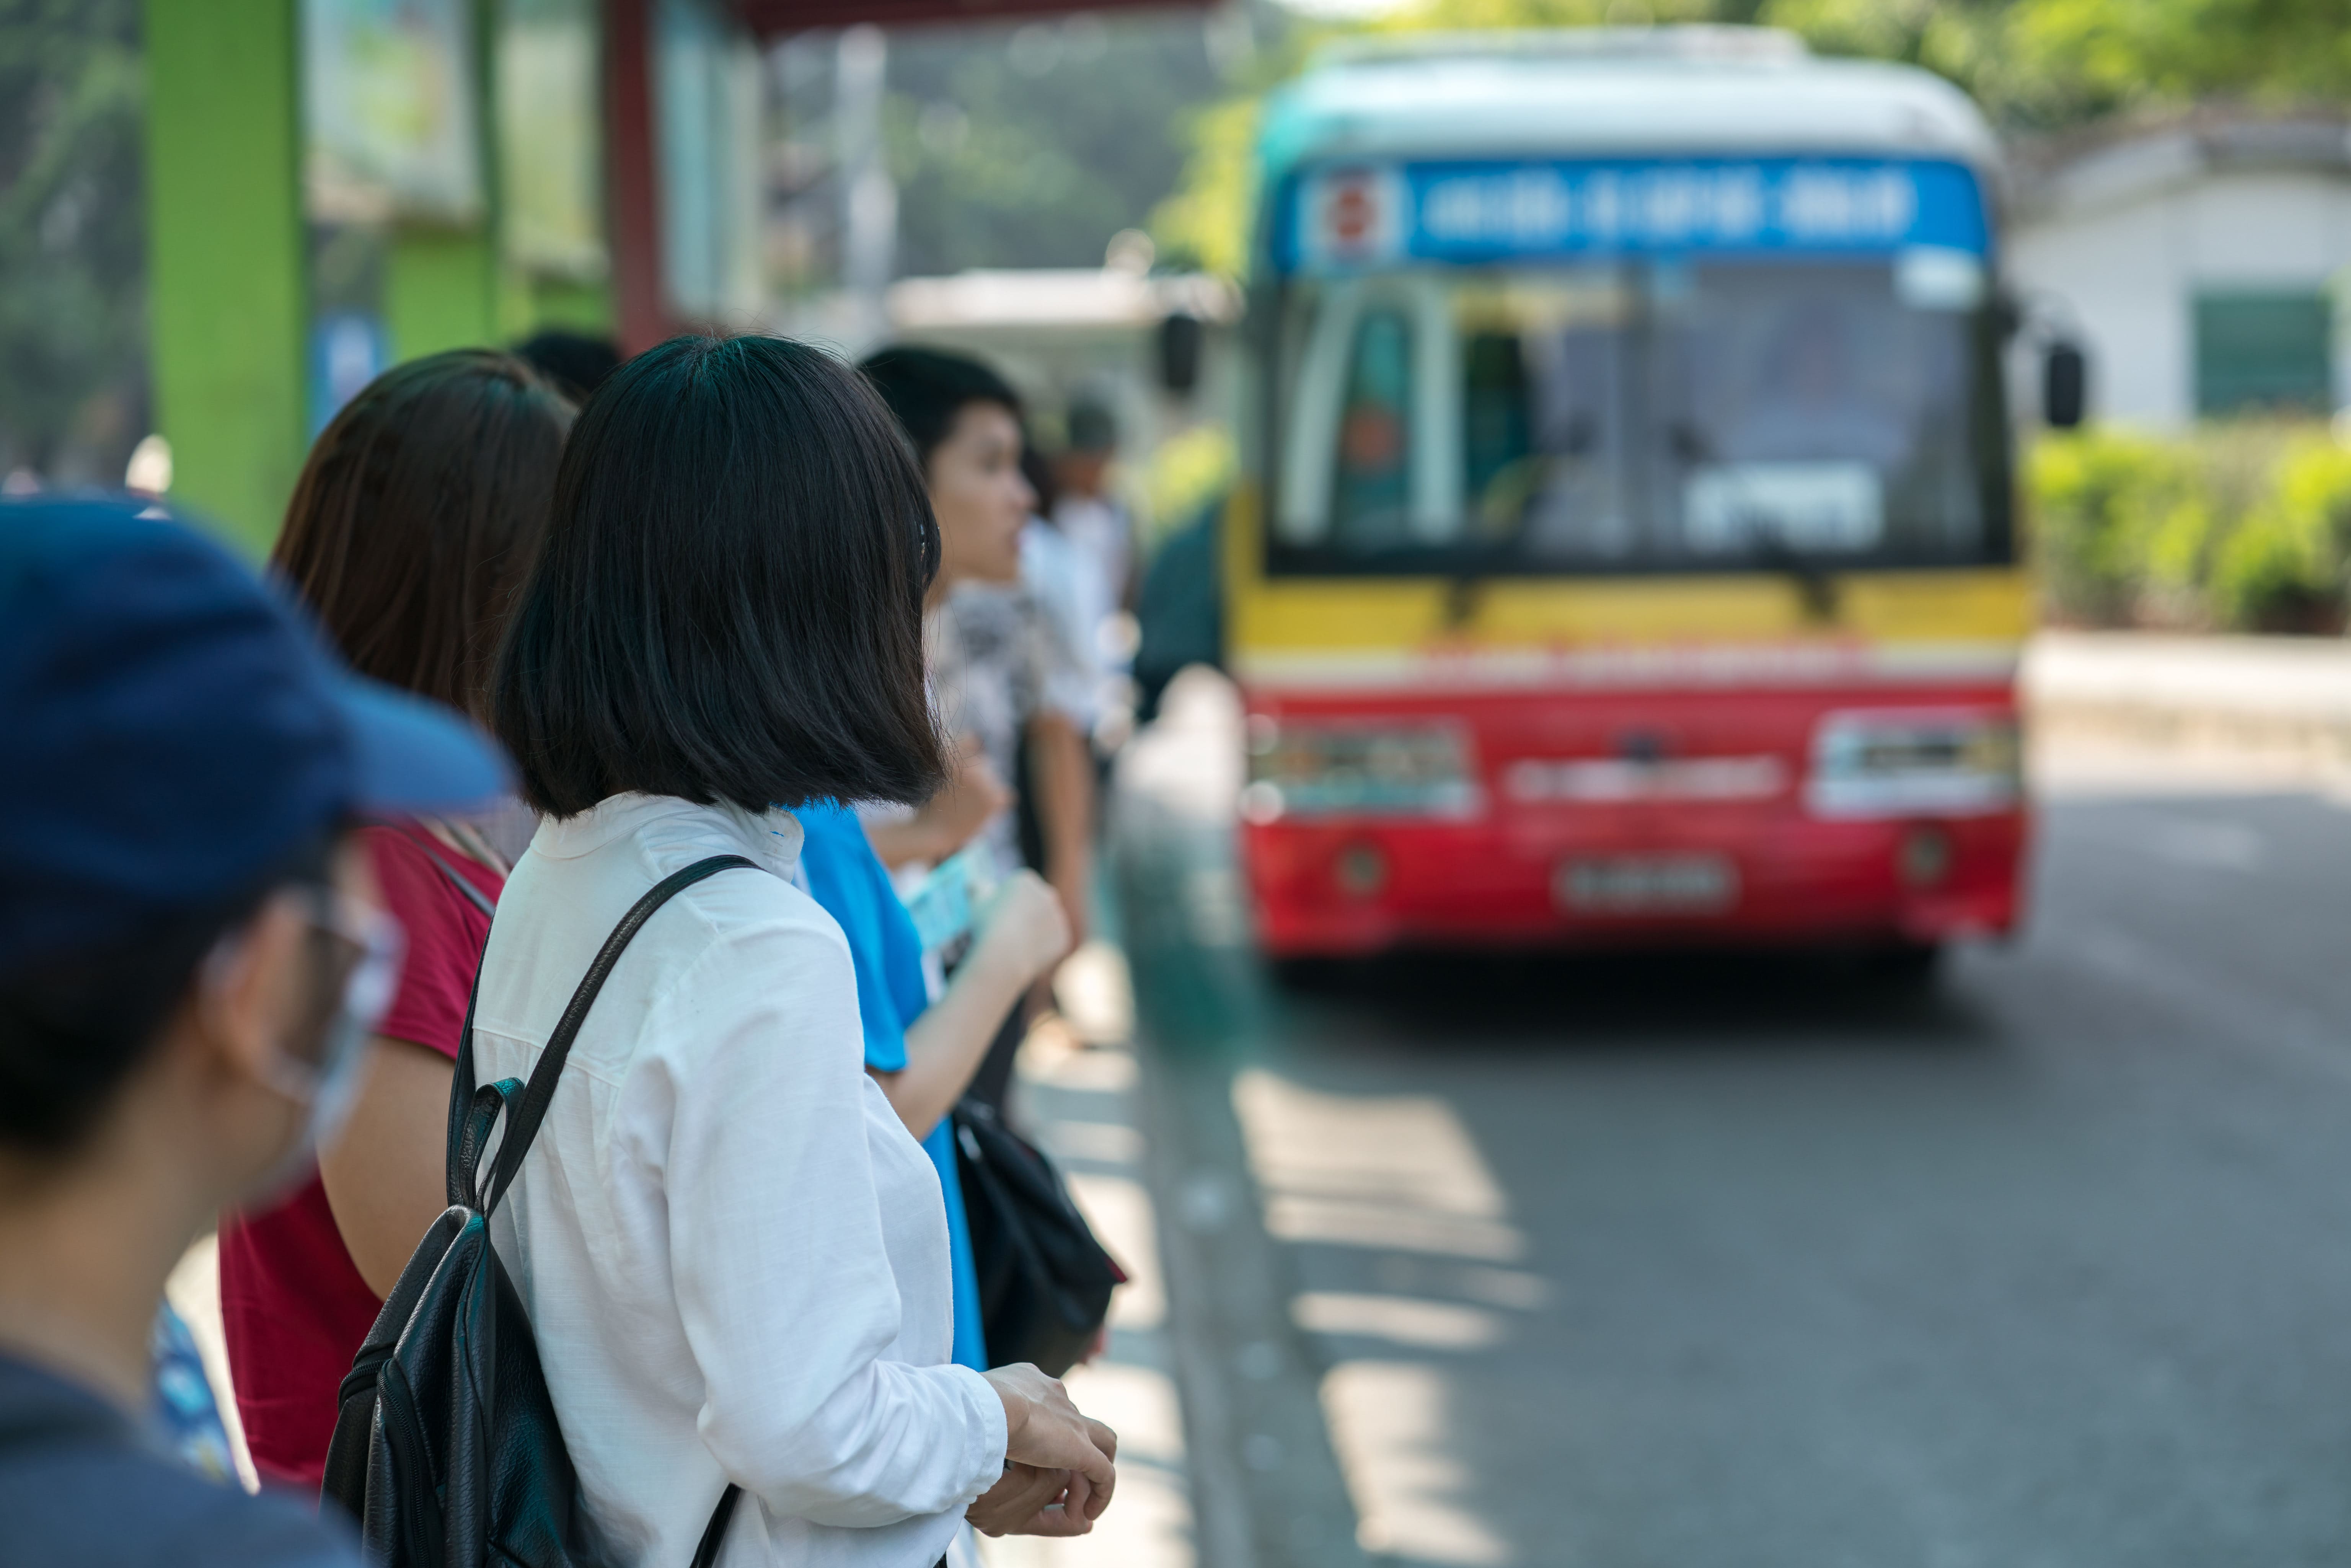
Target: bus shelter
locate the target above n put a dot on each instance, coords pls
(336, 185)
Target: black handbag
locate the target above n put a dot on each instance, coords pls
(1044, 1281)
(447, 1449)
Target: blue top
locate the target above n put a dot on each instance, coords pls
(184, 1407)
(848, 879)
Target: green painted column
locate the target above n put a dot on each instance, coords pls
(226, 254)
(441, 291)
(578, 306)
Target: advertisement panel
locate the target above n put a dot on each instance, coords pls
(390, 117)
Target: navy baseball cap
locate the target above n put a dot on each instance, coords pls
(175, 730)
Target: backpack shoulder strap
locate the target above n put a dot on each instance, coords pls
(461, 1105)
(408, 832)
(460, 880)
(525, 1112)
(714, 1534)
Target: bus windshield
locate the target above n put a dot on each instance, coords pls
(1647, 414)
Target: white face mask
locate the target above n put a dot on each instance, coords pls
(328, 1089)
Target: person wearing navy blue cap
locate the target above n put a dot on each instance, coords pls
(189, 957)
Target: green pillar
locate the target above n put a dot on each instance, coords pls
(441, 291)
(226, 254)
(579, 307)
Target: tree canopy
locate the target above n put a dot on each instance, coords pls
(72, 259)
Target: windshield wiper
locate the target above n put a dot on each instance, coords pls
(1815, 583)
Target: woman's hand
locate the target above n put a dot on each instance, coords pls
(1044, 1430)
(1018, 1499)
(970, 799)
(965, 803)
(1024, 929)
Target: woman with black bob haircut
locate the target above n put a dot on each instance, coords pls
(734, 1256)
(729, 607)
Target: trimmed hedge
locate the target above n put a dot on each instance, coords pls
(2241, 526)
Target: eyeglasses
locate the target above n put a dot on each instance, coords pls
(357, 951)
(354, 971)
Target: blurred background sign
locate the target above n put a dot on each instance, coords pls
(550, 137)
(390, 110)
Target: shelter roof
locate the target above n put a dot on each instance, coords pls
(773, 16)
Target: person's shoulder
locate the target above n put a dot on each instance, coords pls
(121, 1508)
(752, 908)
(397, 858)
(411, 872)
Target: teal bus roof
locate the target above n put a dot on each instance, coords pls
(1599, 92)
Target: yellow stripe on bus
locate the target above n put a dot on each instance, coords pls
(1354, 615)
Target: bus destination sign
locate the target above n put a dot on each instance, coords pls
(1344, 216)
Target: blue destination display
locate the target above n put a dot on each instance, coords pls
(1343, 217)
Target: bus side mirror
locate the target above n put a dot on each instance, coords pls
(1180, 337)
(2065, 386)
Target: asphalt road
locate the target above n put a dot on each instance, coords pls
(1687, 1261)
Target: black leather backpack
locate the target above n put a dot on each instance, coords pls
(447, 1449)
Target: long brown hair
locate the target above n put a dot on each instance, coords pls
(419, 515)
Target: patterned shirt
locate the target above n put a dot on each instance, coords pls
(996, 660)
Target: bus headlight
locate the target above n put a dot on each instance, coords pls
(1336, 769)
(1912, 762)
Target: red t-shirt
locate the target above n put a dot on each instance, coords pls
(292, 1302)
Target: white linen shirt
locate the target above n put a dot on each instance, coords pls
(733, 1257)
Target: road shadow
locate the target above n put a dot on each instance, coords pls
(1699, 998)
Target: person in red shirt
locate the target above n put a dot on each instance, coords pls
(416, 519)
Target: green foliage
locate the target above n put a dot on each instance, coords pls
(2286, 567)
(1030, 145)
(2068, 60)
(1204, 224)
(1187, 471)
(2244, 527)
(72, 236)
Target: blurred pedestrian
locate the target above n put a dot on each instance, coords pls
(735, 1257)
(573, 363)
(1095, 520)
(1059, 578)
(1000, 671)
(419, 513)
(190, 955)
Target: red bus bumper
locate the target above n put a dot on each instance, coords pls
(1509, 875)
(1336, 888)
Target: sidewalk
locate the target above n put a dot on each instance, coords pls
(1076, 1096)
(2290, 694)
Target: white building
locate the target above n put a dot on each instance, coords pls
(2199, 262)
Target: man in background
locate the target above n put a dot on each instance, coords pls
(1098, 531)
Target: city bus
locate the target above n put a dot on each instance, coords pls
(1626, 546)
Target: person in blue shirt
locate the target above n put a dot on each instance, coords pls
(925, 1053)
